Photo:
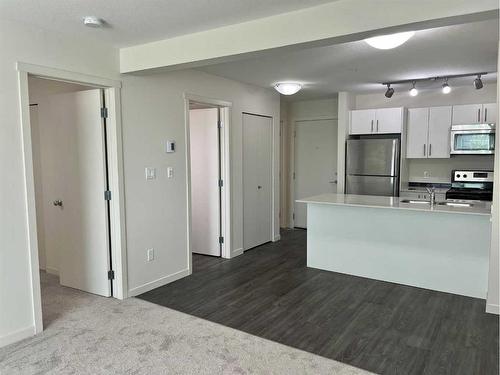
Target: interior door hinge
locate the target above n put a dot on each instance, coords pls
(219, 124)
(221, 183)
(111, 275)
(107, 195)
(221, 239)
(104, 112)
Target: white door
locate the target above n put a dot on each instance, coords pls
(362, 121)
(315, 163)
(205, 202)
(80, 224)
(417, 129)
(490, 113)
(257, 169)
(389, 120)
(439, 132)
(467, 114)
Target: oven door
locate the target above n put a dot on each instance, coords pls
(478, 140)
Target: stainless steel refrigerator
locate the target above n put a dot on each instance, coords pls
(372, 166)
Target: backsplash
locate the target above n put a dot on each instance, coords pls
(439, 170)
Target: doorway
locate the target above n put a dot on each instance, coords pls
(207, 157)
(257, 180)
(69, 143)
(315, 163)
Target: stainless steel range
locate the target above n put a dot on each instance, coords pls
(471, 185)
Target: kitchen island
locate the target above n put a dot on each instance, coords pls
(438, 247)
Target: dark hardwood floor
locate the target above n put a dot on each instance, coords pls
(381, 327)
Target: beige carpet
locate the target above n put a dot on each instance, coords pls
(87, 334)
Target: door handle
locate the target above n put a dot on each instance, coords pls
(485, 114)
(430, 149)
(259, 187)
(372, 127)
(479, 115)
(424, 149)
(333, 182)
(377, 126)
(57, 203)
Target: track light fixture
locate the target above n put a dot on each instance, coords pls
(446, 87)
(478, 83)
(413, 90)
(390, 91)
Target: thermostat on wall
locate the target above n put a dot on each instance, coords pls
(170, 146)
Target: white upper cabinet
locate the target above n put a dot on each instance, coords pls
(474, 114)
(376, 121)
(439, 132)
(362, 121)
(389, 120)
(490, 113)
(417, 132)
(428, 134)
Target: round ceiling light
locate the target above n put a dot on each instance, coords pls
(288, 88)
(92, 21)
(446, 87)
(413, 90)
(389, 41)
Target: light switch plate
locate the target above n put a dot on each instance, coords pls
(169, 146)
(150, 173)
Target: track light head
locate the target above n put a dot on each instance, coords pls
(413, 90)
(446, 87)
(478, 83)
(390, 92)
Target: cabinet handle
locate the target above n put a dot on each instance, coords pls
(479, 115)
(377, 126)
(485, 114)
(372, 127)
(424, 149)
(430, 149)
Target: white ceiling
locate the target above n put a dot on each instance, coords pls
(139, 21)
(358, 67)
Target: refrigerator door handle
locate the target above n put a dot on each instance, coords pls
(372, 127)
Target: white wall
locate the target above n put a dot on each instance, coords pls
(292, 111)
(45, 153)
(23, 43)
(153, 111)
(437, 170)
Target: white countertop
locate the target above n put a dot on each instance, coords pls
(479, 208)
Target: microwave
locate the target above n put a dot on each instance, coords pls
(472, 139)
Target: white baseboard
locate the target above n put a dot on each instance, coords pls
(17, 336)
(493, 309)
(236, 252)
(157, 283)
(52, 271)
(277, 238)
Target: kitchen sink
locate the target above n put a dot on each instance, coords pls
(414, 201)
(455, 204)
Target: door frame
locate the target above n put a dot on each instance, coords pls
(272, 212)
(225, 109)
(291, 171)
(115, 165)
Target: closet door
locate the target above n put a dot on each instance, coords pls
(257, 169)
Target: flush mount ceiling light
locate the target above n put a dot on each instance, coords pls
(478, 83)
(288, 88)
(413, 90)
(446, 88)
(389, 41)
(390, 91)
(92, 21)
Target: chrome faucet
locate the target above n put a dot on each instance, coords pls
(432, 195)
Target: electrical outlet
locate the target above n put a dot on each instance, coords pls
(151, 255)
(170, 172)
(427, 174)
